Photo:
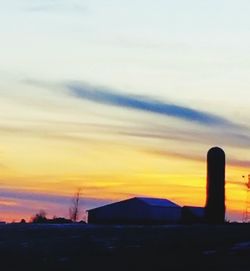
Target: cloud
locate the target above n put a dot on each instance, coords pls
(237, 183)
(55, 5)
(239, 163)
(197, 158)
(23, 203)
(185, 156)
(42, 197)
(146, 104)
(224, 133)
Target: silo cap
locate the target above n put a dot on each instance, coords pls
(216, 151)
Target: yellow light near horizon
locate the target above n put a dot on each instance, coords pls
(106, 171)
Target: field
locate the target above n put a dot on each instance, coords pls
(87, 247)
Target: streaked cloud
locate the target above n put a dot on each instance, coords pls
(42, 197)
(237, 183)
(198, 158)
(24, 204)
(146, 104)
(55, 5)
(224, 132)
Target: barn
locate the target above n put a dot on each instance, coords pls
(138, 210)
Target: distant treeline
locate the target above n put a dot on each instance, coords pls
(40, 218)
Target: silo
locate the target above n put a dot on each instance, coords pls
(215, 203)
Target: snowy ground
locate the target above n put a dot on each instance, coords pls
(86, 247)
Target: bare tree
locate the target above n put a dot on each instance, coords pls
(74, 211)
(40, 217)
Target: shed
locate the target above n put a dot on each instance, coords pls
(138, 210)
(193, 214)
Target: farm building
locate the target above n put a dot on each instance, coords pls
(138, 210)
(193, 214)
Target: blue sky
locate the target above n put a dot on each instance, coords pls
(192, 51)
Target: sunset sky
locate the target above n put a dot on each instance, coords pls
(121, 99)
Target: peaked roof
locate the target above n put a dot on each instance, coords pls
(197, 211)
(148, 201)
(157, 202)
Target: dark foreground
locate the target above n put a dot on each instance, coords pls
(85, 247)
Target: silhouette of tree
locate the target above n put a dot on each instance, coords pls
(40, 217)
(59, 220)
(74, 211)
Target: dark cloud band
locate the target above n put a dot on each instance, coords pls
(146, 104)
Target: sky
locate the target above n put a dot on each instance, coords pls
(121, 99)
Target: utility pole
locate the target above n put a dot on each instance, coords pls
(246, 214)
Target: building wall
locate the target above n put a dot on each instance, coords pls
(192, 215)
(165, 214)
(134, 212)
(124, 212)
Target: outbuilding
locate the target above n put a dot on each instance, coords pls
(193, 215)
(138, 210)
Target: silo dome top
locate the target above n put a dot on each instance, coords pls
(216, 151)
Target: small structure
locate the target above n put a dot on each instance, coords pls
(138, 210)
(193, 214)
(246, 214)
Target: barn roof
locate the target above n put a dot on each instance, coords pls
(157, 202)
(148, 201)
(197, 211)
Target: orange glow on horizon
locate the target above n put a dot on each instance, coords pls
(108, 172)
